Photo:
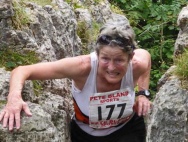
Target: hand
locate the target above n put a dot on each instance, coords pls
(142, 105)
(10, 115)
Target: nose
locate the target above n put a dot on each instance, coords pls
(111, 65)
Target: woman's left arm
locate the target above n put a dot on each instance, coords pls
(141, 72)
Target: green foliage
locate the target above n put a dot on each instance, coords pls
(181, 69)
(88, 2)
(84, 34)
(20, 18)
(40, 2)
(83, 4)
(37, 86)
(3, 102)
(116, 9)
(156, 30)
(87, 34)
(181, 63)
(74, 3)
(11, 59)
(94, 30)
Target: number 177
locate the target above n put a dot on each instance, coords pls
(111, 107)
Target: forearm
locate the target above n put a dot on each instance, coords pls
(143, 81)
(17, 79)
(142, 103)
(10, 114)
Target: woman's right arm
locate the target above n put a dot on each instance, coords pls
(75, 68)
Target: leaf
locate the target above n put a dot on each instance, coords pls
(123, 1)
(10, 64)
(171, 27)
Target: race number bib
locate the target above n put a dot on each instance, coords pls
(110, 108)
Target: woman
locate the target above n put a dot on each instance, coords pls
(102, 86)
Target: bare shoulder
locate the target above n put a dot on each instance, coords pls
(83, 70)
(141, 61)
(83, 64)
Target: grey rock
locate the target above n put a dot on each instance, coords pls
(182, 39)
(168, 120)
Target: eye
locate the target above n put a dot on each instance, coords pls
(119, 61)
(105, 59)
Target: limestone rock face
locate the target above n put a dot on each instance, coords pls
(168, 120)
(182, 39)
(51, 114)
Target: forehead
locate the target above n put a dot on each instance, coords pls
(112, 52)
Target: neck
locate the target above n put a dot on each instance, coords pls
(104, 86)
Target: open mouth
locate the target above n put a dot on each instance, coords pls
(113, 74)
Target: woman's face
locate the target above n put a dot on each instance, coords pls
(113, 63)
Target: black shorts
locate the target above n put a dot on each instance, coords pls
(133, 131)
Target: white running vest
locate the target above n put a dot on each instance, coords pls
(82, 97)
